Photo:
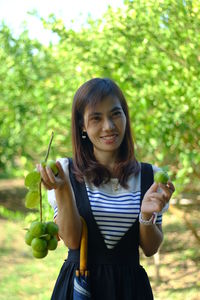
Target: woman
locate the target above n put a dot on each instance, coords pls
(112, 191)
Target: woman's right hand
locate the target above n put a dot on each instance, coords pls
(49, 180)
(68, 218)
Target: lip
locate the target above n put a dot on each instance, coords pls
(109, 135)
(109, 138)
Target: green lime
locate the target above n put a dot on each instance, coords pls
(40, 254)
(43, 163)
(52, 164)
(52, 243)
(28, 238)
(161, 177)
(37, 229)
(52, 228)
(46, 236)
(39, 245)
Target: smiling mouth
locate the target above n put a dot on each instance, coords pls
(109, 137)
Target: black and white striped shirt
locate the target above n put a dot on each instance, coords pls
(114, 208)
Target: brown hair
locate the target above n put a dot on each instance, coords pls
(85, 163)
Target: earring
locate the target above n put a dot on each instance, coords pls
(84, 135)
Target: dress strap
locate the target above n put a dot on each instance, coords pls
(147, 178)
(79, 190)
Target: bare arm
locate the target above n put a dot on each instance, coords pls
(151, 236)
(68, 218)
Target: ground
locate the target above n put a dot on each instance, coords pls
(174, 275)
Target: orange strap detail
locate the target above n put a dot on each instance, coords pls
(83, 247)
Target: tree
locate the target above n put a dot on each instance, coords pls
(150, 48)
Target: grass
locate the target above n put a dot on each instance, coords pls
(24, 277)
(179, 263)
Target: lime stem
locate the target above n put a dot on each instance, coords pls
(40, 188)
(49, 147)
(40, 185)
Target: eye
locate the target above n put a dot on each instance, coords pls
(116, 113)
(95, 118)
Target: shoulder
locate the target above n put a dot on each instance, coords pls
(145, 165)
(155, 169)
(65, 161)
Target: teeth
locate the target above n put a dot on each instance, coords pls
(109, 137)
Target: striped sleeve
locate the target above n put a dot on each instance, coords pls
(52, 201)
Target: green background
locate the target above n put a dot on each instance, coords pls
(152, 50)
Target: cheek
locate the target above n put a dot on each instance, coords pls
(91, 132)
(122, 123)
(85, 124)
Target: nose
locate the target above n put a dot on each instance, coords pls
(108, 124)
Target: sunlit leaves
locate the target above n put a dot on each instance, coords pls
(151, 48)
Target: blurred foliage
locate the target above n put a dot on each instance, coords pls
(150, 48)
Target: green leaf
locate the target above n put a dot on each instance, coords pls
(32, 199)
(32, 180)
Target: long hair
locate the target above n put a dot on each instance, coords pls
(84, 161)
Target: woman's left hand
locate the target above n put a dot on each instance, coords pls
(157, 196)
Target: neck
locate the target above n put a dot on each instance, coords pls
(107, 159)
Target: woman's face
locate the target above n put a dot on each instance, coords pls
(105, 125)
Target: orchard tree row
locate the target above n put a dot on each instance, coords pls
(150, 48)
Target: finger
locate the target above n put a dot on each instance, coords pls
(47, 179)
(51, 175)
(164, 191)
(43, 173)
(159, 203)
(47, 186)
(162, 197)
(167, 190)
(170, 186)
(60, 170)
(153, 188)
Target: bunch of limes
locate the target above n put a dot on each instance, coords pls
(42, 236)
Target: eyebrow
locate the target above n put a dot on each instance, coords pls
(115, 108)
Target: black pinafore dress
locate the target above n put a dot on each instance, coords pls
(115, 274)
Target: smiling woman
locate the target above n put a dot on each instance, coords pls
(104, 185)
(101, 111)
(105, 129)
